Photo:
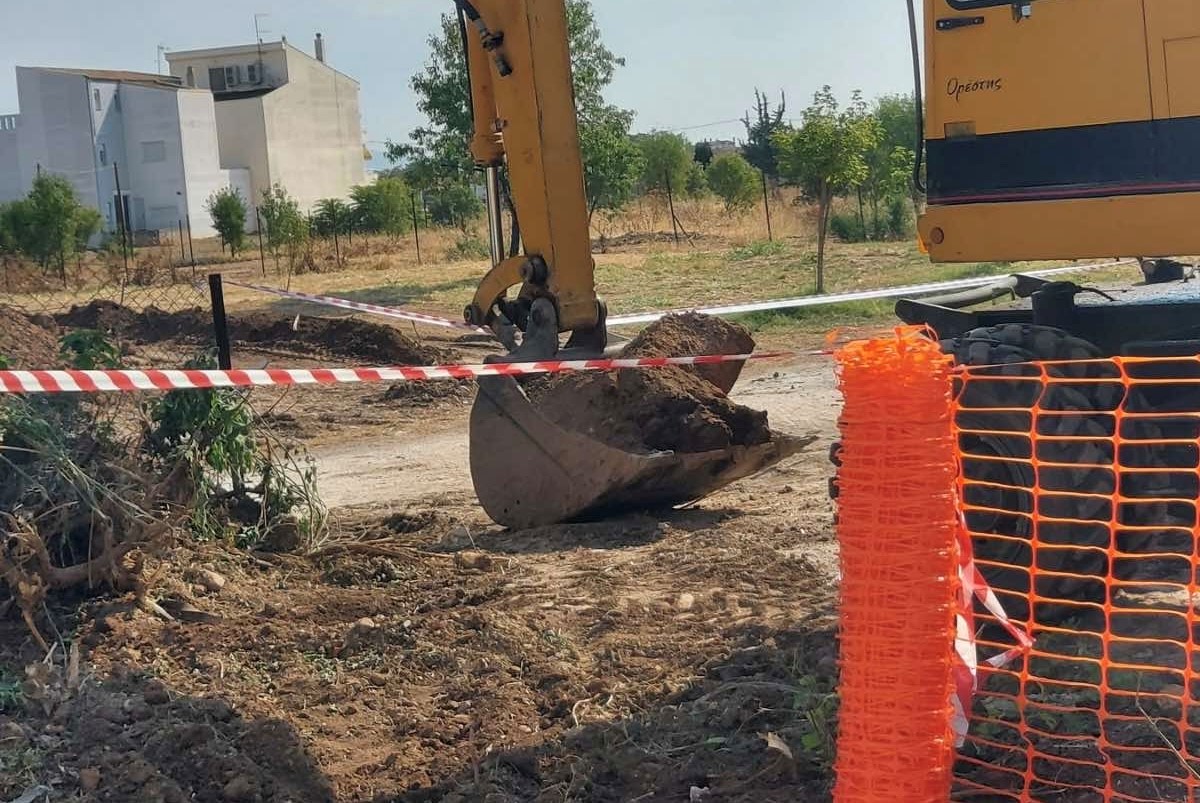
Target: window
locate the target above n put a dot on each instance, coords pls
(232, 75)
(252, 74)
(191, 76)
(103, 155)
(216, 79)
(96, 98)
(155, 151)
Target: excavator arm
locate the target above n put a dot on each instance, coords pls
(523, 103)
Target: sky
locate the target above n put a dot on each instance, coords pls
(692, 65)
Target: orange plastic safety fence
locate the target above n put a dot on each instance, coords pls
(897, 523)
(1079, 487)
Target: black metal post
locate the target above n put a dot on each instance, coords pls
(767, 206)
(182, 251)
(262, 257)
(416, 230)
(123, 228)
(191, 246)
(671, 204)
(337, 246)
(220, 322)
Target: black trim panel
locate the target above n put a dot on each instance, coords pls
(1155, 156)
(971, 5)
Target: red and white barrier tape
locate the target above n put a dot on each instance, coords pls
(966, 657)
(127, 381)
(650, 317)
(359, 306)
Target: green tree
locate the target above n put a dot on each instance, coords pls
(227, 209)
(896, 116)
(734, 181)
(453, 205)
(437, 158)
(332, 216)
(666, 156)
(384, 207)
(285, 226)
(612, 164)
(49, 224)
(703, 153)
(760, 148)
(827, 155)
(696, 183)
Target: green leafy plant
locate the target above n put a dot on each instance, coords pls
(88, 350)
(385, 207)
(285, 227)
(247, 484)
(227, 209)
(735, 181)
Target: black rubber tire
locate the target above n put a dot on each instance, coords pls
(1016, 345)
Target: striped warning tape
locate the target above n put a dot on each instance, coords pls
(128, 381)
(359, 306)
(911, 290)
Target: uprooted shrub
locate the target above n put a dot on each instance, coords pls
(86, 493)
(249, 486)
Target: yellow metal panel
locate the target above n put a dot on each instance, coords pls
(1173, 74)
(1183, 77)
(1139, 225)
(1072, 63)
(536, 116)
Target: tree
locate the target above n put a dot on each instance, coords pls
(666, 157)
(734, 180)
(760, 149)
(228, 212)
(454, 205)
(695, 185)
(438, 158)
(332, 216)
(896, 116)
(285, 225)
(703, 153)
(827, 155)
(384, 207)
(612, 164)
(48, 224)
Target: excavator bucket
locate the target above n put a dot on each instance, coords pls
(530, 472)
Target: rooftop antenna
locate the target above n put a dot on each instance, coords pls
(258, 29)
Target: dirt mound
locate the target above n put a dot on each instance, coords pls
(691, 335)
(341, 337)
(669, 409)
(26, 344)
(134, 739)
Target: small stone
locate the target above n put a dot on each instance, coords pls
(208, 579)
(240, 788)
(377, 679)
(474, 561)
(787, 489)
(89, 779)
(685, 602)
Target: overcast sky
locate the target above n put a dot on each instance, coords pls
(692, 64)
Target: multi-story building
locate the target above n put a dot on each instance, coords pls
(243, 117)
(289, 117)
(100, 128)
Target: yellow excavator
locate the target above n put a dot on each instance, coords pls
(1036, 149)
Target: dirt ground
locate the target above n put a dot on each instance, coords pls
(427, 655)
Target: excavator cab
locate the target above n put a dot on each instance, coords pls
(527, 470)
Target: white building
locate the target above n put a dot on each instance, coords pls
(245, 117)
(287, 116)
(97, 127)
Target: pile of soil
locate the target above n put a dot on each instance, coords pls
(26, 344)
(340, 337)
(668, 409)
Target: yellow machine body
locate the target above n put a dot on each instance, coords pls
(1061, 129)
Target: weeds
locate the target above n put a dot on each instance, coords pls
(758, 249)
(12, 699)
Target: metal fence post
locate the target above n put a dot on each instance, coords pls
(767, 206)
(220, 323)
